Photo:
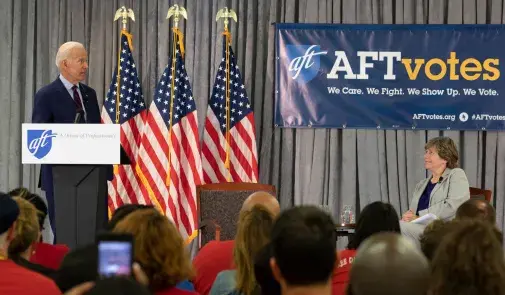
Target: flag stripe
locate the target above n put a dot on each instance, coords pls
(211, 169)
(178, 176)
(125, 187)
(246, 130)
(129, 106)
(179, 155)
(241, 151)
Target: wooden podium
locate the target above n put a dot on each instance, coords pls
(219, 206)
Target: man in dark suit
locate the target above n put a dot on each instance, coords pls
(65, 100)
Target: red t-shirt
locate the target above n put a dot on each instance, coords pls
(49, 255)
(341, 273)
(213, 258)
(18, 280)
(175, 291)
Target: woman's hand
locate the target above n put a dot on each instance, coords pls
(409, 216)
(80, 289)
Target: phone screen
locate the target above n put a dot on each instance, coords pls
(114, 258)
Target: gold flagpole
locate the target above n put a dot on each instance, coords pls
(226, 13)
(124, 14)
(176, 11)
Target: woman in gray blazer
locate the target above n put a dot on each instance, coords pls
(443, 191)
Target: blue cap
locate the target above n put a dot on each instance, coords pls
(9, 212)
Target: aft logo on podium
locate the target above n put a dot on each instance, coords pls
(40, 142)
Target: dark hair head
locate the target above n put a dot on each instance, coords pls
(78, 266)
(432, 237)
(19, 192)
(9, 212)
(475, 208)
(446, 149)
(469, 261)
(123, 211)
(304, 245)
(374, 218)
(118, 286)
(36, 201)
(263, 273)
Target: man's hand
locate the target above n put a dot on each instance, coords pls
(409, 216)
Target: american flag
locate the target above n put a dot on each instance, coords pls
(179, 155)
(126, 187)
(243, 163)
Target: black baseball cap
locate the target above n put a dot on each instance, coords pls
(9, 212)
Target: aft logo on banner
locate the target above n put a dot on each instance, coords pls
(40, 142)
(304, 61)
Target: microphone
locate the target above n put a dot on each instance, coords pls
(78, 115)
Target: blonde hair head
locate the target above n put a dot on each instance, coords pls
(27, 229)
(253, 233)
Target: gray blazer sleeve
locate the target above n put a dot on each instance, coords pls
(448, 195)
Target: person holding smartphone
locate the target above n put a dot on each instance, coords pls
(159, 249)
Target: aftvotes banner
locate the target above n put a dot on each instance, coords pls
(390, 76)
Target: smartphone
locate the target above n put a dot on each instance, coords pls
(115, 255)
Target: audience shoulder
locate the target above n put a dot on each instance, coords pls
(41, 282)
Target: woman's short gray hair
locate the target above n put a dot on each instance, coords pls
(64, 51)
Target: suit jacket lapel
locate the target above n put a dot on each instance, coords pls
(445, 176)
(61, 88)
(418, 193)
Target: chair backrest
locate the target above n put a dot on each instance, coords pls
(219, 205)
(481, 194)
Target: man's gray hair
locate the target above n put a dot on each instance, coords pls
(64, 51)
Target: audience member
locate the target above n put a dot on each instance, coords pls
(469, 261)
(374, 218)
(475, 208)
(253, 233)
(15, 279)
(118, 286)
(389, 264)
(47, 255)
(304, 251)
(123, 211)
(433, 235)
(263, 272)
(217, 256)
(159, 248)
(27, 233)
(78, 266)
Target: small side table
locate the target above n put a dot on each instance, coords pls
(345, 230)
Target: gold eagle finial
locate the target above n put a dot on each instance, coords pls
(226, 14)
(125, 14)
(177, 11)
